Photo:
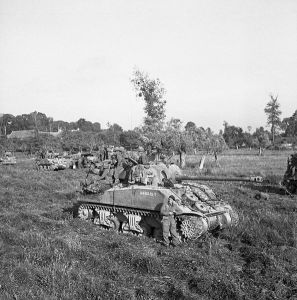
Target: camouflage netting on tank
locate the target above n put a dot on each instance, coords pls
(95, 187)
(199, 192)
(43, 161)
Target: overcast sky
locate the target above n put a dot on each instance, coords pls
(218, 60)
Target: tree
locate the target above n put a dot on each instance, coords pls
(262, 138)
(50, 123)
(47, 142)
(289, 125)
(6, 124)
(152, 92)
(84, 125)
(248, 139)
(176, 140)
(96, 127)
(130, 139)
(112, 134)
(190, 126)
(273, 115)
(233, 135)
(40, 121)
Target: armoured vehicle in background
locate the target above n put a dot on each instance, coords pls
(52, 164)
(135, 206)
(289, 181)
(8, 159)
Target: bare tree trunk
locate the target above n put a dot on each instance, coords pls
(272, 133)
(182, 159)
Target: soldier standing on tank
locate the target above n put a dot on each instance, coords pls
(168, 210)
(142, 156)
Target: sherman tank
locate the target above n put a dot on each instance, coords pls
(52, 164)
(134, 205)
(8, 159)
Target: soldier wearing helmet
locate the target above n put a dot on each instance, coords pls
(168, 209)
(142, 159)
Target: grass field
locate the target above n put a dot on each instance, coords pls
(242, 163)
(45, 253)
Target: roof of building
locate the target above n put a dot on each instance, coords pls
(22, 134)
(25, 134)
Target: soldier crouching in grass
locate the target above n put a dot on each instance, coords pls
(168, 210)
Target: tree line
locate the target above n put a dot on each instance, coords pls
(281, 131)
(155, 133)
(41, 122)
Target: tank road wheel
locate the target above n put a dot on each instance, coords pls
(292, 186)
(130, 224)
(84, 213)
(147, 229)
(106, 220)
(114, 223)
(193, 227)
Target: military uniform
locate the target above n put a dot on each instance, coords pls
(169, 224)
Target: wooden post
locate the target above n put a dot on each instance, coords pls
(202, 162)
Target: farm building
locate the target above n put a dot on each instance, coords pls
(26, 134)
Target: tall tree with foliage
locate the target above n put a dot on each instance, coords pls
(261, 138)
(289, 125)
(177, 140)
(273, 113)
(190, 126)
(233, 135)
(152, 92)
(130, 139)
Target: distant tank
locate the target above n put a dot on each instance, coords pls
(8, 159)
(52, 164)
(135, 206)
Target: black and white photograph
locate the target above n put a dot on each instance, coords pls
(148, 150)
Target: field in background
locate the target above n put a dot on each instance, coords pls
(45, 253)
(242, 163)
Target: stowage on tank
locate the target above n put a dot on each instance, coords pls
(134, 205)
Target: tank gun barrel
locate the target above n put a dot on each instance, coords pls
(209, 178)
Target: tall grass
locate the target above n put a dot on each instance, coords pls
(45, 253)
(241, 164)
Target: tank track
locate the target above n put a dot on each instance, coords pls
(118, 209)
(188, 227)
(123, 219)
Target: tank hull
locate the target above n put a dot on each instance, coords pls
(136, 209)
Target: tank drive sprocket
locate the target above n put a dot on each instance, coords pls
(193, 227)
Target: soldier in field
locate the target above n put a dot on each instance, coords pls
(168, 210)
